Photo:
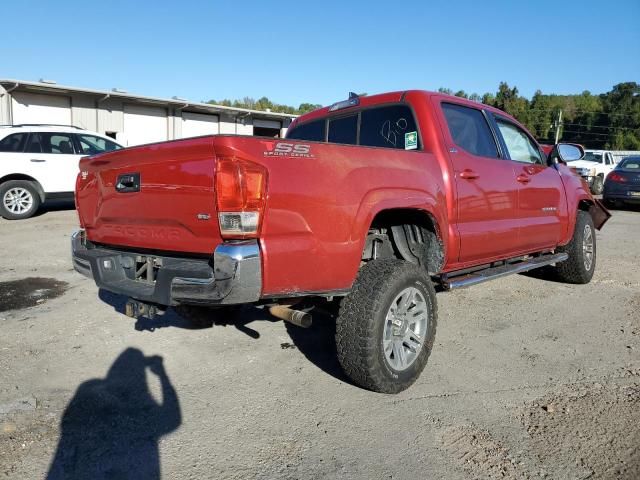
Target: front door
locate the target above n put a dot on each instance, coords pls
(542, 202)
(487, 192)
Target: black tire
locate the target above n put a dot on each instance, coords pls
(361, 325)
(21, 186)
(576, 269)
(598, 186)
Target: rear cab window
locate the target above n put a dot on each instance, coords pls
(384, 126)
(344, 130)
(311, 131)
(389, 127)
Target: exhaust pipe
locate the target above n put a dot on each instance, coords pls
(297, 317)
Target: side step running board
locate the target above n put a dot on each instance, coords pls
(452, 281)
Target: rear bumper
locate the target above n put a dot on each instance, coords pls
(232, 275)
(622, 192)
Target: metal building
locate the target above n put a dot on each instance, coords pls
(130, 119)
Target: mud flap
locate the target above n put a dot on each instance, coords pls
(599, 214)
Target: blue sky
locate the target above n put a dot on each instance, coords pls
(317, 51)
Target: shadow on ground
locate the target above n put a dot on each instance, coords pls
(192, 318)
(55, 206)
(317, 343)
(547, 273)
(112, 425)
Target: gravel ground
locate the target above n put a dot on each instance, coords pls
(528, 379)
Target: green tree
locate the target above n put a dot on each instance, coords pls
(609, 120)
(507, 99)
(489, 99)
(622, 107)
(308, 107)
(264, 104)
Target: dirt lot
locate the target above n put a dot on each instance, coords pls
(528, 379)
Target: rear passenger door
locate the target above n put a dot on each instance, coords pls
(487, 193)
(541, 198)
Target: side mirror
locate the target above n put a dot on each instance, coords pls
(565, 152)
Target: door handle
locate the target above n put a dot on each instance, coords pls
(523, 179)
(37, 160)
(128, 182)
(468, 174)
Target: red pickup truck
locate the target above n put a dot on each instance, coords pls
(368, 203)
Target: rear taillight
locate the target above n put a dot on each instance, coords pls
(616, 177)
(241, 191)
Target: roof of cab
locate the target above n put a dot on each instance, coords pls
(393, 97)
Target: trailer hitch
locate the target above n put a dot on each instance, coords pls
(136, 309)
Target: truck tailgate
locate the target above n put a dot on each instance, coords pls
(158, 197)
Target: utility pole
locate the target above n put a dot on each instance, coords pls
(558, 125)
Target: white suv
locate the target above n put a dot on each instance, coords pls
(40, 162)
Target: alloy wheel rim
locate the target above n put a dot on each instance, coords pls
(18, 200)
(405, 328)
(587, 247)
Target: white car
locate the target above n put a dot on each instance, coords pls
(594, 168)
(40, 162)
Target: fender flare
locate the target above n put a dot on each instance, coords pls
(379, 200)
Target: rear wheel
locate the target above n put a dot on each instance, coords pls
(18, 199)
(581, 264)
(387, 325)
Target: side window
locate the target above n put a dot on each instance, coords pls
(34, 145)
(469, 130)
(344, 130)
(313, 131)
(387, 126)
(521, 148)
(13, 143)
(61, 143)
(92, 145)
(44, 142)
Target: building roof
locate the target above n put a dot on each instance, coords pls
(11, 84)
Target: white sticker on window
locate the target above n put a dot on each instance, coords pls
(411, 140)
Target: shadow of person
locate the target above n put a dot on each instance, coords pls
(111, 427)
